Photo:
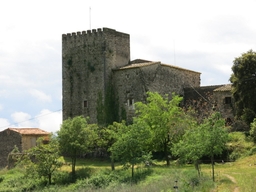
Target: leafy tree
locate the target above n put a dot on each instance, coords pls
(215, 137)
(207, 139)
(132, 145)
(243, 81)
(108, 136)
(165, 119)
(190, 148)
(43, 159)
(76, 136)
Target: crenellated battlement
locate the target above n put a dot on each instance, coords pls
(98, 31)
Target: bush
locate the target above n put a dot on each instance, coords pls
(62, 177)
(253, 130)
(239, 146)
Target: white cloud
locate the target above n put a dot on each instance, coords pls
(49, 121)
(4, 123)
(40, 95)
(22, 119)
(46, 120)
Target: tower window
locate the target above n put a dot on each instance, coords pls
(130, 103)
(85, 103)
(227, 100)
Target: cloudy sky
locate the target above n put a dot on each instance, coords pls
(201, 35)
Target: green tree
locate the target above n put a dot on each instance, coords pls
(108, 136)
(190, 148)
(132, 145)
(215, 137)
(165, 119)
(243, 81)
(207, 139)
(44, 159)
(75, 137)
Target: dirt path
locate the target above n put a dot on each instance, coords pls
(233, 180)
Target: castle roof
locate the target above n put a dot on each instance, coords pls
(29, 131)
(142, 63)
(226, 87)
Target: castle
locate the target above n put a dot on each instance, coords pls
(100, 81)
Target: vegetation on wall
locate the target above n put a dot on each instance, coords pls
(108, 112)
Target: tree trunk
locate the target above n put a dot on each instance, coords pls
(50, 179)
(73, 167)
(212, 162)
(112, 164)
(132, 170)
(197, 166)
(166, 154)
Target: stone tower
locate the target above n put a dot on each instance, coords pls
(88, 59)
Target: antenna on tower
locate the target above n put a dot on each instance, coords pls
(174, 54)
(90, 18)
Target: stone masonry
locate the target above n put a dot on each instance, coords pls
(92, 61)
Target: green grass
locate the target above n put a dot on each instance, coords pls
(95, 175)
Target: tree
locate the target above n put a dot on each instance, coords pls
(132, 145)
(108, 136)
(190, 148)
(207, 139)
(76, 136)
(243, 81)
(165, 119)
(215, 137)
(44, 159)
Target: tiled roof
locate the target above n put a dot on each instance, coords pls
(147, 63)
(173, 66)
(226, 87)
(30, 131)
(139, 65)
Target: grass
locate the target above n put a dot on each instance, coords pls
(95, 175)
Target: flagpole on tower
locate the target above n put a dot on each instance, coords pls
(90, 18)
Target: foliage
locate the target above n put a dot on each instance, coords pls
(108, 136)
(165, 119)
(243, 81)
(207, 139)
(253, 130)
(239, 146)
(214, 137)
(44, 159)
(107, 106)
(132, 144)
(13, 157)
(190, 148)
(75, 137)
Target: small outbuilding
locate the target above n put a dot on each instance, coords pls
(22, 138)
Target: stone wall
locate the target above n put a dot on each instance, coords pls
(8, 139)
(225, 105)
(207, 99)
(87, 62)
(132, 84)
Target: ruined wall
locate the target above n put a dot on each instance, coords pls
(225, 105)
(8, 139)
(133, 83)
(87, 62)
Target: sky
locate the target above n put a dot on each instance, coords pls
(200, 35)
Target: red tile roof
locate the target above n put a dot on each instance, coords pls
(30, 131)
